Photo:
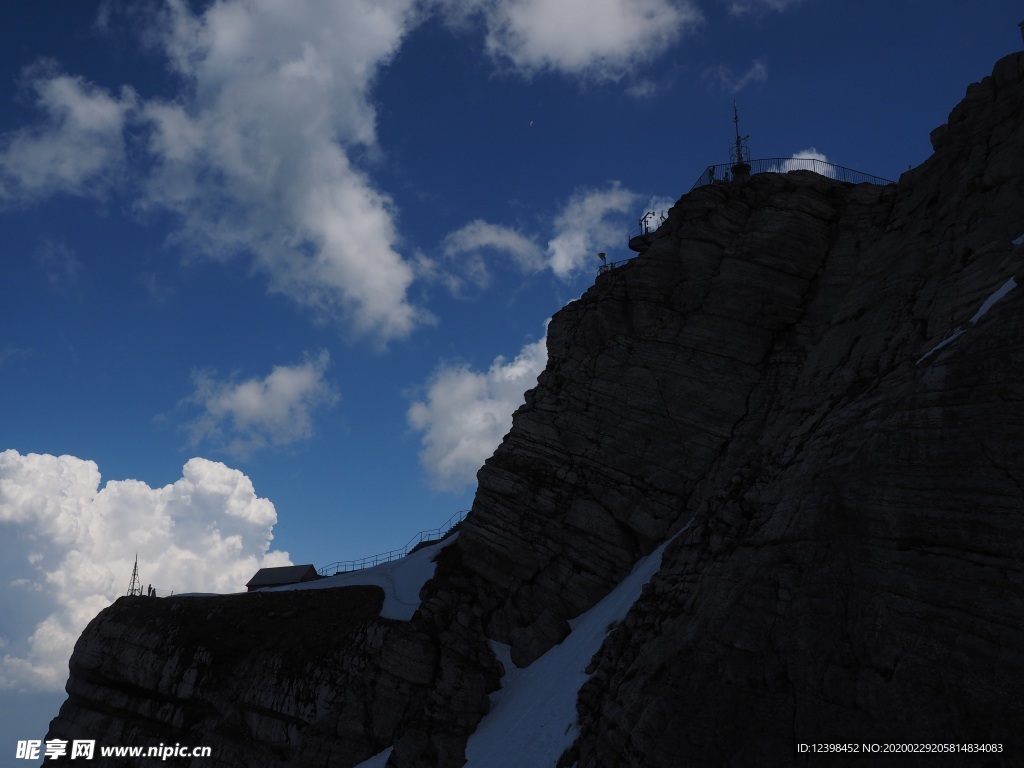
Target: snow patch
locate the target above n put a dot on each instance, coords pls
(986, 305)
(400, 579)
(533, 716)
(380, 760)
(946, 341)
(1006, 287)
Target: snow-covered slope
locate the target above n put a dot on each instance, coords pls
(533, 717)
(400, 579)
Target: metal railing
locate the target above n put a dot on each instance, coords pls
(151, 591)
(721, 171)
(608, 266)
(434, 534)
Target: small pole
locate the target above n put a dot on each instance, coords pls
(1021, 25)
(739, 142)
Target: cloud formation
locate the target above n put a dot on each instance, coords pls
(727, 80)
(277, 410)
(76, 148)
(596, 40)
(254, 155)
(68, 547)
(466, 413)
(592, 220)
(805, 160)
(466, 251)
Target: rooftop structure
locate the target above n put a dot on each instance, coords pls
(278, 577)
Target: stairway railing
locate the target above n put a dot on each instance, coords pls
(433, 534)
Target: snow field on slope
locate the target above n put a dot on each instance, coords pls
(533, 715)
(986, 305)
(400, 579)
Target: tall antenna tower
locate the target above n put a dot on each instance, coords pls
(135, 586)
(740, 154)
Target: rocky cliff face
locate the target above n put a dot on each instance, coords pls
(770, 373)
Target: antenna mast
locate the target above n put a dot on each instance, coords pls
(135, 587)
(740, 156)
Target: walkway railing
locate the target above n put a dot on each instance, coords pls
(785, 165)
(150, 591)
(434, 534)
(608, 266)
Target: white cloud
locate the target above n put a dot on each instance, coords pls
(594, 39)
(729, 81)
(467, 248)
(73, 544)
(593, 220)
(466, 413)
(254, 154)
(809, 154)
(479, 235)
(275, 410)
(78, 146)
(805, 160)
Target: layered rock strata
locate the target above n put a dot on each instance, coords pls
(795, 369)
(853, 572)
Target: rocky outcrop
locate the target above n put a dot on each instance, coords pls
(769, 375)
(199, 671)
(853, 571)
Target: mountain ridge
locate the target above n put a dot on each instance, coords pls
(852, 567)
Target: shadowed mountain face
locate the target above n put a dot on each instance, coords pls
(797, 368)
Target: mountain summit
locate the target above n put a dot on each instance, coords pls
(801, 410)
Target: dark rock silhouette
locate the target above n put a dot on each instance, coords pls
(796, 369)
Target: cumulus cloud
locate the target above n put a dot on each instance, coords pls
(466, 413)
(78, 145)
(254, 155)
(593, 39)
(71, 544)
(277, 410)
(593, 220)
(727, 80)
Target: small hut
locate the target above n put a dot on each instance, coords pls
(279, 577)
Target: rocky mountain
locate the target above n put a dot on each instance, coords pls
(816, 387)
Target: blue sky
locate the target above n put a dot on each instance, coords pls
(276, 274)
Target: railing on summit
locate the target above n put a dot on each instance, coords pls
(608, 266)
(721, 171)
(639, 239)
(434, 534)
